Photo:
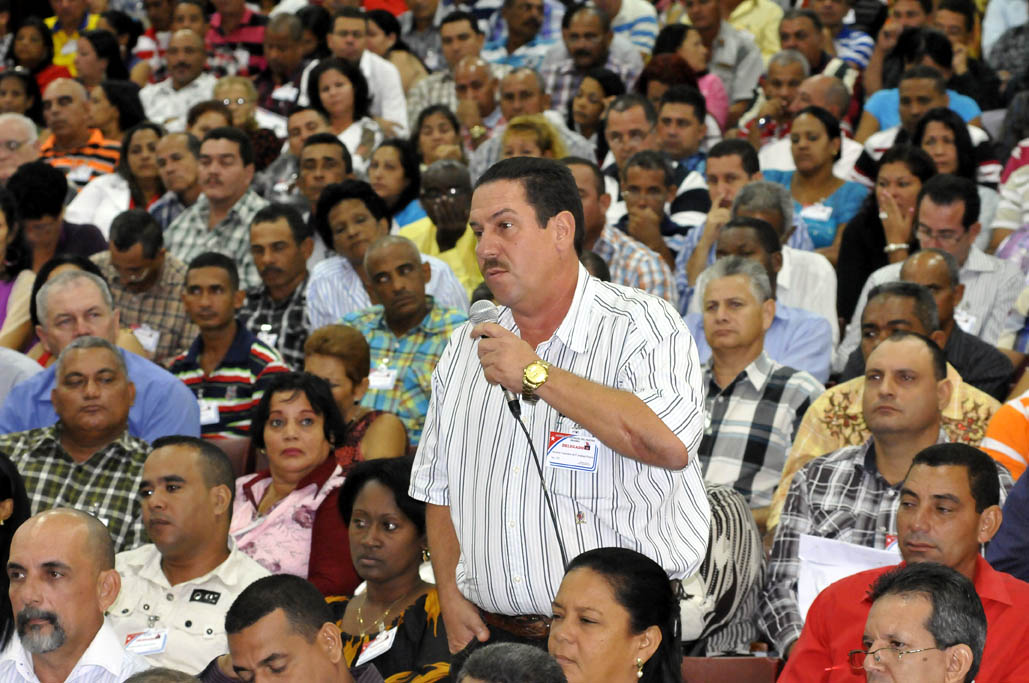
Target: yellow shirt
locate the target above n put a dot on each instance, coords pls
(836, 419)
(760, 19)
(65, 46)
(461, 258)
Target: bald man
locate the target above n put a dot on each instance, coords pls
(63, 579)
(477, 107)
(81, 152)
(169, 101)
(407, 331)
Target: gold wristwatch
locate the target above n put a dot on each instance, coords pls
(533, 377)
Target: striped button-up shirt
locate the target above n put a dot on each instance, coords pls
(412, 356)
(106, 485)
(750, 425)
(474, 458)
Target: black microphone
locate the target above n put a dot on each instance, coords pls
(485, 311)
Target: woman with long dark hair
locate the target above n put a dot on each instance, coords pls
(339, 90)
(586, 110)
(34, 51)
(394, 175)
(98, 58)
(685, 41)
(437, 135)
(114, 108)
(384, 40)
(19, 94)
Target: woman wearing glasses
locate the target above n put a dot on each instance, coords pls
(240, 96)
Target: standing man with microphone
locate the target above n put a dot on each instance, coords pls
(611, 399)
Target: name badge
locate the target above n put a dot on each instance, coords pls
(147, 337)
(577, 451)
(80, 174)
(70, 48)
(266, 335)
(149, 642)
(373, 648)
(816, 212)
(208, 412)
(206, 597)
(382, 378)
(287, 92)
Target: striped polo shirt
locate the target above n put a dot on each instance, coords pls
(97, 157)
(240, 52)
(235, 386)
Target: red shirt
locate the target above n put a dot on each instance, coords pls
(836, 622)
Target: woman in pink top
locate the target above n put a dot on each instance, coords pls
(685, 41)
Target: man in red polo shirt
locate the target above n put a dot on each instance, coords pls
(949, 506)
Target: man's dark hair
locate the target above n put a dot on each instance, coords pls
(394, 474)
(605, 18)
(802, 13)
(650, 160)
(598, 175)
(303, 605)
(946, 189)
(124, 97)
(212, 259)
(915, 44)
(740, 148)
(511, 663)
(192, 143)
(957, 616)
(274, 211)
(766, 235)
(215, 466)
(921, 71)
(549, 189)
(161, 675)
(40, 189)
(207, 106)
(963, 7)
(684, 94)
(981, 469)
(939, 361)
(330, 139)
(625, 102)
(338, 192)
(925, 304)
(233, 134)
(461, 15)
(137, 226)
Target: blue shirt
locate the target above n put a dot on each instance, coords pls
(797, 339)
(410, 213)
(885, 107)
(1008, 551)
(164, 406)
(842, 205)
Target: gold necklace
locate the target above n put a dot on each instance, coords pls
(381, 621)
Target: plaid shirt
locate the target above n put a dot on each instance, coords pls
(279, 324)
(634, 264)
(166, 209)
(413, 357)
(562, 77)
(106, 485)
(189, 235)
(159, 308)
(236, 385)
(750, 426)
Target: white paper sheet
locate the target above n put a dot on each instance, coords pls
(825, 560)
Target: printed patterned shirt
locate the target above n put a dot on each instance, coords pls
(106, 485)
(228, 396)
(279, 324)
(412, 358)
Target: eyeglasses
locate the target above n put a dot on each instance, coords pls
(12, 145)
(239, 100)
(887, 654)
(449, 193)
(943, 236)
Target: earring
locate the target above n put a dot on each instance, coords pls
(426, 556)
(639, 668)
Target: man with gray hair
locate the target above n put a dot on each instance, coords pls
(62, 574)
(88, 459)
(769, 118)
(753, 403)
(78, 304)
(19, 143)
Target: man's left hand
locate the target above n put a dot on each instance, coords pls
(503, 355)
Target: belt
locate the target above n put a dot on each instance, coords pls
(529, 626)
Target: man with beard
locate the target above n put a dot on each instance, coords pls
(62, 580)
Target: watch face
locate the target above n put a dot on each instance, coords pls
(535, 373)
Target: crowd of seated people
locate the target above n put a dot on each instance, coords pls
(242, 249)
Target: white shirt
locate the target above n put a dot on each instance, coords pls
(474, 458)
(100, 202)
(777, 156)
(192, 613)
(384, 87)
(335, 289)
(167, 106)
(104, 661)
(353, 136)
(991, 287)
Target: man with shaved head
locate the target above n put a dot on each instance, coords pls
(407, 331)
(278, 84)
(88, 459)
(63, 579)
(477, 108)
(80, 151)
(168, 101)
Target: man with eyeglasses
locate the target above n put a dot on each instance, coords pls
(168, 101)
(949, 506)
(446, 195)
(146, 284)
(19, 143)
(947, 218)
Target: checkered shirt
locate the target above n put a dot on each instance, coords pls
(413, 356)
(188, 236)
(106, 485)
(562, 78)
(281, 320)
(634, 264)
(750, 426)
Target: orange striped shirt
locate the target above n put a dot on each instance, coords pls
(97, 157)
(1007, 436)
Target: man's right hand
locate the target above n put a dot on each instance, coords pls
(888, 36)
(716, 218)
(468, 113)
(463, 622)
